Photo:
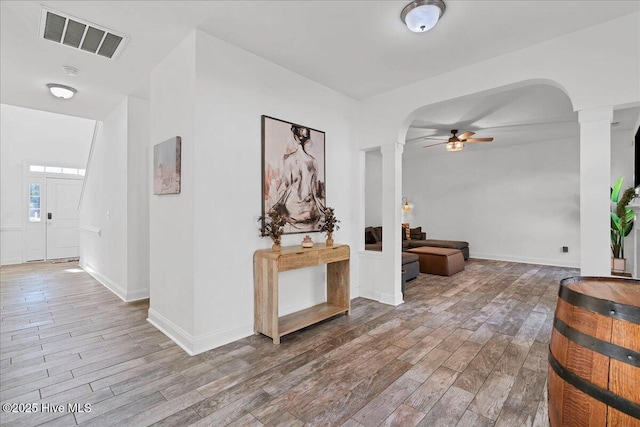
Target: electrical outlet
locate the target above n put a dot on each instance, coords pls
(565, 249)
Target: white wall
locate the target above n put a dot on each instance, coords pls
(138, 191)
(233, 89)
(518, 202)
(171, 217)
(115, 202)
(622, 156)
(104, 204)
(40, 137)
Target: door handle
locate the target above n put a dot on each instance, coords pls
(49, 216)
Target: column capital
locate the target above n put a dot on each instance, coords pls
(393, 147)
(596, 114)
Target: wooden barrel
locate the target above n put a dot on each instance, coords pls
(594, 355)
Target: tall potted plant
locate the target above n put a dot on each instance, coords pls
(622, 217)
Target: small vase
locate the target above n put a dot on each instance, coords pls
(307, 242)
(330, 239)
(276, 247)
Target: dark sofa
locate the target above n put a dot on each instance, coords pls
(417, 238)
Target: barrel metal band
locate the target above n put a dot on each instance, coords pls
(605, 396)
(600, 306)
(611, 350)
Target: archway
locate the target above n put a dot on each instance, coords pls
(513, 199)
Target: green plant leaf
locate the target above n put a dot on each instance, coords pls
(615, 192)
(627, 229)
(616, 224)
(629, 215)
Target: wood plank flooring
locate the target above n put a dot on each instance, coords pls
(466, 350)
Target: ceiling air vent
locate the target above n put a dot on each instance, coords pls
(76, 33)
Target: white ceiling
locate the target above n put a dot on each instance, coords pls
(516, 116)
(357, 48)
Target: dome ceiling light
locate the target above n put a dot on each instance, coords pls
(422, 15)
(61, 91)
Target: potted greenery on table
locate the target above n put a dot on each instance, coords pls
(622, 217)
(273, 226)
(329, 224)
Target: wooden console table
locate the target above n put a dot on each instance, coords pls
(266, 266)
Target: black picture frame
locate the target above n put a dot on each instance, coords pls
(293, 174)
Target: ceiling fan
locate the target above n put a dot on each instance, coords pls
(455, 142)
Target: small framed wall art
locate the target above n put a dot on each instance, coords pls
(166, 166)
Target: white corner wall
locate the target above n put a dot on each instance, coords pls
(171, 216)
(104, 205)
(138, 191)
(202, 282)
(114, 212)
(40, 137)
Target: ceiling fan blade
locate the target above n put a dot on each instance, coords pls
(435, 138)
(434, 145)
(466, 135)
(479, 140)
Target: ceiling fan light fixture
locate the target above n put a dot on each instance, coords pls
(454, 146)
(61, 91)
(422, 15)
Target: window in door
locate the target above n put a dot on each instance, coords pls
(34, 203)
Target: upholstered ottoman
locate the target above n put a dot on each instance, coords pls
(449, 244)
(441, 261)
(410, 265)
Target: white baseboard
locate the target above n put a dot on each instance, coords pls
(389, 299)
(220, 338)
(137, 295)
(369, 294)
(196, 345)
(354, 292)
(10, 261)
(526, 260)
(183, 339)
(106, 282)
(126, 296)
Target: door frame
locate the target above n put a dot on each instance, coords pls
(27, 176)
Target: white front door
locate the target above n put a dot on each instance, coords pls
(63, 197)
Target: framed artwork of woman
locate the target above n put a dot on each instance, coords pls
(293, 173)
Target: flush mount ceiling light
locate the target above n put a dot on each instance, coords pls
(61, 91)
(422, 15)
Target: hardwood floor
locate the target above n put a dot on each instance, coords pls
(466, 350)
